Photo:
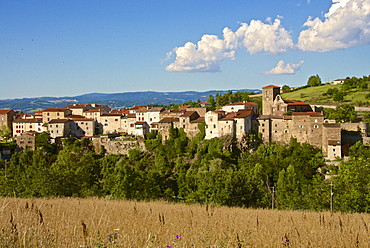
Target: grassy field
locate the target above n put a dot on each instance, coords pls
(112, 223)
(314, 94)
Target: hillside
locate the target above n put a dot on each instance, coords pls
(325, 94)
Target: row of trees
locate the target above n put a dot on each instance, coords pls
(217, 171)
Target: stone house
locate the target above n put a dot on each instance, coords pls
(21, 125)
(111, 123)
(188, 122)
(6, 118)
(26, 140)
(303, 124)
(211, 119)
(84, 126)
(128, 123)
(55, 113)
(163, 126)
(59, 128)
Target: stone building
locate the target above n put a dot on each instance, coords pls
(6, 118)
(26, 140)
(302, 123)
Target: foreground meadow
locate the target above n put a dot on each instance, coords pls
(73, 222)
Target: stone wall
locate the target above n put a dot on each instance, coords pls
(116, 146)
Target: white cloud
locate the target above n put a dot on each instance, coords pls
(210, 51)
(205, 56)
(282, 68)
(347, 24)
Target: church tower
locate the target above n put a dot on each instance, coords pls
(269, 94)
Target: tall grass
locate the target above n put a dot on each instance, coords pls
(71, 222)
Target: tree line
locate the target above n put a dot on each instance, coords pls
(219, 171)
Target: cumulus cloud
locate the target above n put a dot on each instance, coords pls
(347, 24)
(210, 51)
(282, 68)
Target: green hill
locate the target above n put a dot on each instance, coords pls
(328, 94)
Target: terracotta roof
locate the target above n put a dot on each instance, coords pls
(219, 112)
(228, 117)
(242, 113)
(188, 114)
(82, 119)
(186, 106)
(199, 120)
(75, 106)
(139, 106)
(140, 122)
(5, 111)
(58, 121)
(55, 110)
(121, 111)
(205, 103)
(169, 120)
(92, 110)
(290, 102)
(270, 86)
(131, 116)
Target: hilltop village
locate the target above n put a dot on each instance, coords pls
(279, 121)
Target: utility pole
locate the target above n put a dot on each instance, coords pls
(331, 197)
(272, 198)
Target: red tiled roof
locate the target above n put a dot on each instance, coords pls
(290, 102)
(131, 116)
(92, 110)
(199, 120)
(270, 86)
(82, 119)
(228, 117)
(76, 106)
(140, 122)
(334, 142)
(169, 120)
(188, 114)
(186, 106)
(242, 113)
(139, 106)
(55, 110)
(5, 111)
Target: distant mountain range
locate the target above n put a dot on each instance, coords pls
(114, 100)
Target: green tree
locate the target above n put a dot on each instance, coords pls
(5, 132)
(314, 81)
(285, 88)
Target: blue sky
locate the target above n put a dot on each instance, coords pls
(67, 48)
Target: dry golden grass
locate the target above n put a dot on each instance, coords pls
(88, 223)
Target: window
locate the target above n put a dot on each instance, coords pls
(214, 126)
(115, 119)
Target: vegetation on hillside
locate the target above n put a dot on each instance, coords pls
(354, 91)
(217, 171)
